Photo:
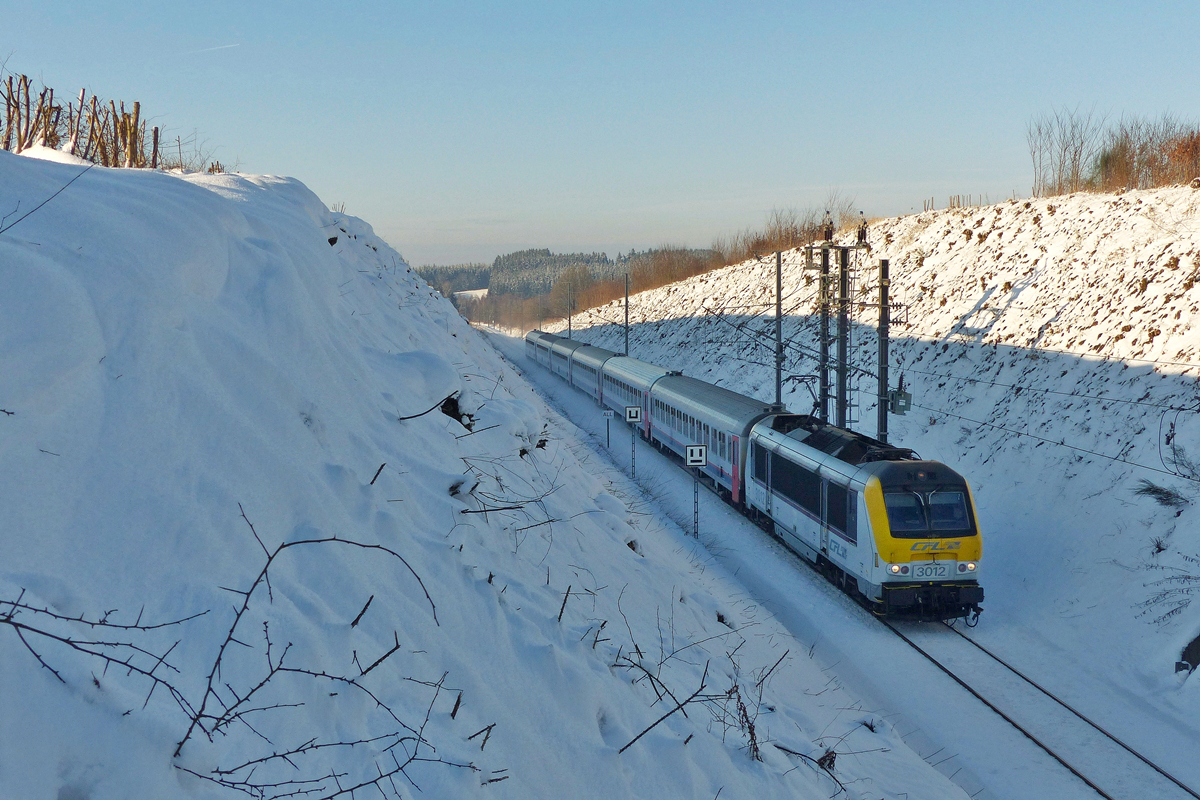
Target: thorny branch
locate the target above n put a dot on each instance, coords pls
(210, 693)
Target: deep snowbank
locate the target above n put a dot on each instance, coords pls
(184, 357)
(1050, 346)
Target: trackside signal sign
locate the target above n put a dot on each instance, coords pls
(633, 414)
(696, 455)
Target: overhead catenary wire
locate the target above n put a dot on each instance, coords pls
(1049, 441)
(1060, 393)
(764, 339)
(1061, 443)
(900, 365)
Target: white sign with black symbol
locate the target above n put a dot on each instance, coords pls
(608, 413)
(633, 414)
(696, 455)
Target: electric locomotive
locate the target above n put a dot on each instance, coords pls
(896, 531)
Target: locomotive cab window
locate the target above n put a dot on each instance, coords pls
(948, 511)
(936, 514)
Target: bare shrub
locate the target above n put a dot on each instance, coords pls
(1163, 495)
(1073, 151)
(1141, 153)
(1174, 593)
(106, 133)
(788, 228)
(1064, 144)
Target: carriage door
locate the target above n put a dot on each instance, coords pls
(766, 478)
(825, 517)
(738, 479)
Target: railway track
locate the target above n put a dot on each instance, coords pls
(1107, 765)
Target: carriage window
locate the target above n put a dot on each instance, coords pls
(760, 463)
(835, 506)
(796, 483)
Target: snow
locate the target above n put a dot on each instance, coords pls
(1052, 354)
(198, 369)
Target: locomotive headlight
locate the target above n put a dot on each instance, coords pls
(894, 569)
(970, 566)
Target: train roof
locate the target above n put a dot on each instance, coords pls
(635, 371)
(593, 356)
(566, 346)
(852, 454)
(537, 336)
(703, 399)
(847, 446)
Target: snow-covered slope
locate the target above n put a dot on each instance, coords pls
(198, 370)
(1052, 350)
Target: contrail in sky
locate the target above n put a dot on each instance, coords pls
(210, 49)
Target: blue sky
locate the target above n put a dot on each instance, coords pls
(461, 131)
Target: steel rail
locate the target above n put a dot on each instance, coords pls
(1000, 713)
(1098, 728)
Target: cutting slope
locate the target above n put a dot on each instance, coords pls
(1052, 350)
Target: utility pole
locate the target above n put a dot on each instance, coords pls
(823, 335)
(843, 333)
(626, 313)
(884, 320)
(568, 311)
(778, 328)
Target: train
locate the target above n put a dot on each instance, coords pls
(899, 533)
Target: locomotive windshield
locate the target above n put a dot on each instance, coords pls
(915, 515)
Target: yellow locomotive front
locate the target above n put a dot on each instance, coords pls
(927, 541)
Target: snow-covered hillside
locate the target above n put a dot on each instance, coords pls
(1052, 349)
(204, 375)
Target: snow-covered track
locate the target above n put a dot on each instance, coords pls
(1109, 766)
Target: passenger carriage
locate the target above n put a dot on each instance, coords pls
(537, 346)
(687, 411)
(586, 365)
(560, 357)
(628, 381)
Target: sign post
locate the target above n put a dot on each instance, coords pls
(633, 415)
(608, 415)
(696, 457)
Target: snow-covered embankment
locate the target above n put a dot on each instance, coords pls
(197, 369)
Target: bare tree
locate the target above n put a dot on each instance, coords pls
(1064, 145)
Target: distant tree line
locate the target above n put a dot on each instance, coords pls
(530, 287)
(528, 273)
(456, 277)
(590, 280)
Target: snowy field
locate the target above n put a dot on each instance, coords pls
(1052, 350)
(226, 407)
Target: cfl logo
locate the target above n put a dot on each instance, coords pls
(940, 547)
